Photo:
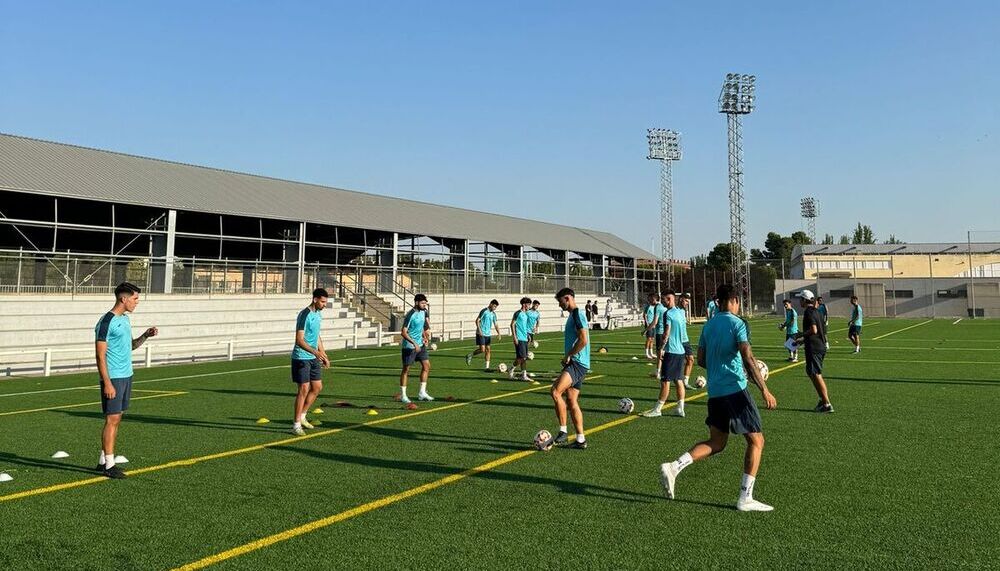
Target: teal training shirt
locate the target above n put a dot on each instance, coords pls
(309, 322)
(791, 321)
(415, 323)
(533, 317)
(521, 328)
(650, 313)
(574, 323)
(486, 320)
(661, 323)
(116, 331)
(678, 327)
(684, 330)
(720, 339)
(857, 315)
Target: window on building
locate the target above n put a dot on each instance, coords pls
(899, 293)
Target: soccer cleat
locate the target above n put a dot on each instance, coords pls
(524, 377)
(825, 408)
(668, 476)
(99, 468)
(752, 505)
(297, 431)
(511, 374)
(425, 396)
(404, 400)
(305, 424)
(114, 473)
(689, 386)
(652, 413)
(468, 360)
(795, 360)
(577, 445)
(560, 438)
(679, 412)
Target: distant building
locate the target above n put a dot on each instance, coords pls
(899, 261)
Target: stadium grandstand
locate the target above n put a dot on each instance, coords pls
(76, 221)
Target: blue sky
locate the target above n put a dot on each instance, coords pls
(887, 112)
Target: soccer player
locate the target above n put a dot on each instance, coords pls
(308, 359)
(724, 349)
(576, 362)
(485, 323)
(826, 317)
(649, 323)
(854, 325)
(519, 330)
(607, 313)
(712, 307)
(416, 332)
(534, 318)
(791, 327)
(660, 330)
(686, 341)
(814, 338)
(672, 358)
(114, 345)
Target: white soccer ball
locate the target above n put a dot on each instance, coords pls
(502, 367)
(534, 344)
(531, 355)
(543, 440)
(434, 346)
(626, 406)
(700, 382)
(764, 370)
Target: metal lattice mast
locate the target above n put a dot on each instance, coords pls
(736, 99)
(664, 146)
(810, 211)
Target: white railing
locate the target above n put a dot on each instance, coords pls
(231, 345)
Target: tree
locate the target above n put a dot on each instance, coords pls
(828, 239)
(721, 257)
(844, 239)
(863, 235)
(893, 240)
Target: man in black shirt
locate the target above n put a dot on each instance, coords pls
(813, 336)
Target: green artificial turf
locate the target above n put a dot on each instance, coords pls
(903, 475)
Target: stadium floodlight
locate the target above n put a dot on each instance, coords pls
(665, 147)
(737, 98)
(810, 211)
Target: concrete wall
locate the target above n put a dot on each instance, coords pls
(925, 302)
(191, 328)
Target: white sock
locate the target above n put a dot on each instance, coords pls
(296, 424)
(487, 363)
(581, 438)
(746, 488)
(109, 461)
(402, 392)
(686, 379)
(563, 428)
(680, 405)
(423, 388)
(101, 462)
(683, 462)
(659, 405)
(302, 417)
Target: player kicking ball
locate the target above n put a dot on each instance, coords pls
(308, 359)
(724, 350)
(416, 334)
(576, 362)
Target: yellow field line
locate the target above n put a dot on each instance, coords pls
(903, 329)
(158, 394)
(395, 498)
(264, 446)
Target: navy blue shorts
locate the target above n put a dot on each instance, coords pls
(854, 331)
(672, 368)
(687, 348)
(736, 413)
(411, 356)
(650, 334)
(306, 370)
(659, 341)
(814, 361)
(483, 340)
(123, 394)
(577, 373)
(521, 349)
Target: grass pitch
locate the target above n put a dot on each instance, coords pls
(903, 475)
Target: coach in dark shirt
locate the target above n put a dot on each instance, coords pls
(813, 336)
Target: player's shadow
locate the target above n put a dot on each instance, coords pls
(919, 381)
(245, 392)
(418, 436)
(171, 421)
(706, 504)
(564, 486)
(7, 458)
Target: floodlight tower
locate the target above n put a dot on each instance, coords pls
(665, 147)
(810, 211)
(735, 100)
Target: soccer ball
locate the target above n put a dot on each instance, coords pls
(762, 367)
(531, 355)
(602, 350)
(543, 440)
(502, 367)
(626, 406)
(534, 344)
(434, 346)
(700, 382)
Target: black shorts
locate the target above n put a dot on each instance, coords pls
(483, 340)
(659, 341)
(411, 356)
(521, 349)
(123, 394)
(650, 334)
(687, 348)
(577, 373)
(814, 362)
(735, 413)
(306, 370)
(672, 368)
(531, 337)
(854, 331)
